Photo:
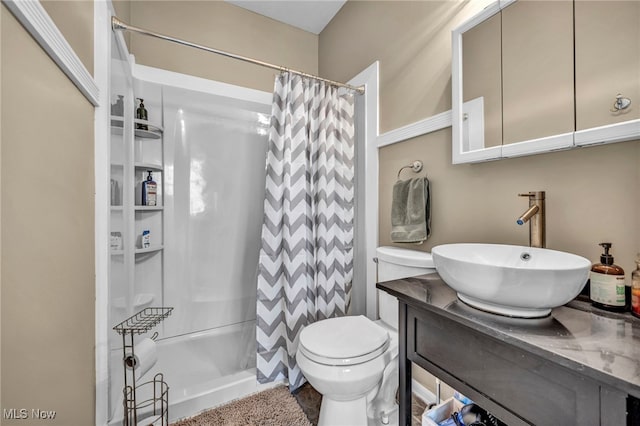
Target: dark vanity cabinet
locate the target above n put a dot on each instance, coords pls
(520, 380)
(514, 385)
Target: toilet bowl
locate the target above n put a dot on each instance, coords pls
(344, 359)
(352, 361)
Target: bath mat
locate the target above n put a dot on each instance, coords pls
(273, 407)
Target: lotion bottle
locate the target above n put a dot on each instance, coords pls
(608, 283)
(149, 191)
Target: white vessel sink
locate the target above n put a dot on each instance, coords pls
(516, 281)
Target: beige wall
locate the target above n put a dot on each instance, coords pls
(74, 19)
(47, 223)
(592, 193)
(46, 177)
(222, 26)
(412, 41)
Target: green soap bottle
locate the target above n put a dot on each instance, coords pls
(607, 283)
(141, 114)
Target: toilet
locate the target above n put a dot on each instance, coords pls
(353, 361)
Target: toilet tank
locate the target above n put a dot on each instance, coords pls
(396, 263)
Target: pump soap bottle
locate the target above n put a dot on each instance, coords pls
(149, 191)
(141, 114)
(635, 289)
(608, 283)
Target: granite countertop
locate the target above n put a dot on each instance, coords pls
(602, 345)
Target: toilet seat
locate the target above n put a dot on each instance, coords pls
(405, 257)
(343, 341)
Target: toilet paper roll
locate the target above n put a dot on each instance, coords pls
(144, 359)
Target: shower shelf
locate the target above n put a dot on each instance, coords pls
(146, 134)
(154, 132)
(148, 208)
(149, 249)
(155, 127)
(148, 166)
(117, 122)
(143, 321)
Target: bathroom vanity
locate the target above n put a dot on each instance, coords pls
(578, 366)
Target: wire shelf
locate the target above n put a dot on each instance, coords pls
(143, 321)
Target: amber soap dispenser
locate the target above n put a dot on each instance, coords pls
(607, 283)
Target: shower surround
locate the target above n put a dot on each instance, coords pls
(215, 144)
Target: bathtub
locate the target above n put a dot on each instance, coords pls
(203, 370)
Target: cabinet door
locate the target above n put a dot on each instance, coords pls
(537, 70)
(607, 55)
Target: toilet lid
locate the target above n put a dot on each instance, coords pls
(343, 341)
(405, 257)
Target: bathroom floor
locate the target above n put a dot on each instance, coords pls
(309, 399)
(417, 408)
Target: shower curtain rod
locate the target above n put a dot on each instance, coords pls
(117, 24)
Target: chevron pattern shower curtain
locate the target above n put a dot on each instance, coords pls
(306, 259)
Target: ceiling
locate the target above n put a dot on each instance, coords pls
(309, 15)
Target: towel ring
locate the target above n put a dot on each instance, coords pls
(416, 166)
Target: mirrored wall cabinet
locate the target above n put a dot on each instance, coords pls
(537, 76)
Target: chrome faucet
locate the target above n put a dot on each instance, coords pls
(535, 215)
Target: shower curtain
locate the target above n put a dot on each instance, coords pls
(306, 259)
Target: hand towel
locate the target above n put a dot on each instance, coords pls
(411, 211)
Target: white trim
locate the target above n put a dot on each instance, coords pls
(369, 77)
(458, 152)
(505, 3)
(102, 66)
(422, 127)
(189, 82)
(457, 143)
(39, 24)
(471, 136)
(478, 156)
(619, 132)
(422, 392)
(538, 146)
(480, 17)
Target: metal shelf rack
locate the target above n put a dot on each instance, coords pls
(155, 409)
